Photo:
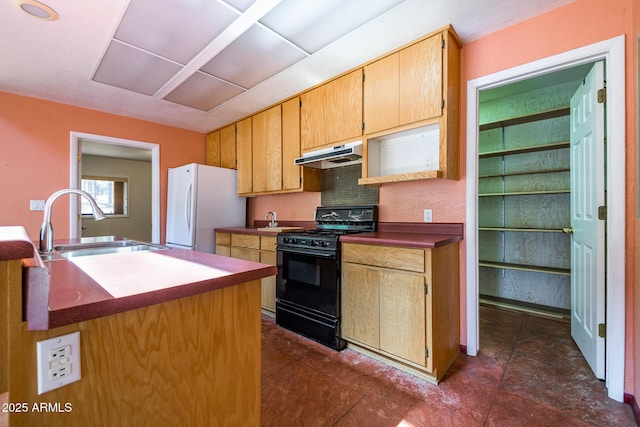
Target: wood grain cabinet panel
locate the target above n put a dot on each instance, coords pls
(267, 150)
(256, 248)
(244, 155)
(410, 315)
(332, 112)
(212, 149)
(228, 147)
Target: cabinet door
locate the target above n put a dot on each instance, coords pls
(382, 94)
(421, 80)
(245, 162)
(313, 130)
(267, 150)
(360, 304)
(213, 149)
(268, 283)
(402, 315)
(344, 107)
(291, 174)
(228, 147)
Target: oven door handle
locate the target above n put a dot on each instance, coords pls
(312, 252)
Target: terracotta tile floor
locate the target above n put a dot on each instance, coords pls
(528, 373)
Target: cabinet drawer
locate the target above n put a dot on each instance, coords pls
(267, 243)
(245, 254)
(223, 239)
(223, 250)
(408, 259)
(245, 241)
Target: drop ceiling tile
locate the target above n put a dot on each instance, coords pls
(173, 29)
(253, 57)
(129, 68)
(313, 24)
(203, 92)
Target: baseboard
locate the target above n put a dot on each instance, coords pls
(630, 399)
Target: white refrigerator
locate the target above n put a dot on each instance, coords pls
(201, 198)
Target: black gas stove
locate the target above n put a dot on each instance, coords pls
(308, 281)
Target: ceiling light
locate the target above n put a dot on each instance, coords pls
(37, 9)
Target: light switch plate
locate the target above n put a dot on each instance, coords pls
(58, 361)
(428, 215)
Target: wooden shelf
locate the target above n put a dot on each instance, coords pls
(525, 193)
(534, 230)
(377, 180)
(522, 150)
(525, 307)
(544, 115)
(524, 267)
(498, 175)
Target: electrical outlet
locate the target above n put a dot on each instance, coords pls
(36, 205)
(428, 215)
(58, 361)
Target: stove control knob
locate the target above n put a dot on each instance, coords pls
(285, 240)
(325, 244)
(293, 240)
(314, 243)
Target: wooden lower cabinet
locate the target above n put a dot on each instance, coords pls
(256, 248)
(403, 304)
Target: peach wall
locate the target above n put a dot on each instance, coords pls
(35, 153)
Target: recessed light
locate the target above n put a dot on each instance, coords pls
(37, 9)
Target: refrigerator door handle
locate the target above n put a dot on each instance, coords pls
(187, 206)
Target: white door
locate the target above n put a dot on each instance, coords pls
(588, 239)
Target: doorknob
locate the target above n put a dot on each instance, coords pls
(567, 230)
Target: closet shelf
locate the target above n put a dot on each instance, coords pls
(522, 150)
(535, 230)
(527, 118)
(524, 193)
(529, 308)
(524, 267)
(538, 172)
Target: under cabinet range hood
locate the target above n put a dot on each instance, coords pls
(340, 155)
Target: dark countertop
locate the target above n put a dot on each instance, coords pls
(409, 234)
(73, 296)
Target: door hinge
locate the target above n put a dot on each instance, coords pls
(363, 77)
(363, 126)
(426, 352)
(602, 213)
(443, 43)
(443, 104)
(426, 288)
(602, 330)
(602, 95)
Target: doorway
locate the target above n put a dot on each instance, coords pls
(112, 145)
(612, 53)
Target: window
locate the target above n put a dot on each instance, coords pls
(110, 194)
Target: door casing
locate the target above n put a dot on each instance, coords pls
(612, 52)
(75, 175)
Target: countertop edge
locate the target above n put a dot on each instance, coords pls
(413, 240)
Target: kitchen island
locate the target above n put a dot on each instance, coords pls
(185, 353)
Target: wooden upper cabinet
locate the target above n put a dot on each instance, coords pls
(221, 147)
(212, 148)
(245, 158)
(291, 173)
(228, 147)
(332, 113)
(267, 150)
(404, 87)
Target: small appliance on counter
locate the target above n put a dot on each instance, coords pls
(308, 281)
(201, 198)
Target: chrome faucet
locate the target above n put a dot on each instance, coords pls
(46, 230)
(273, 222)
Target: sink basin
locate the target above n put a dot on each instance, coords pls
(99, 248)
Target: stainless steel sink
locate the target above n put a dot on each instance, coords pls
(98, 247)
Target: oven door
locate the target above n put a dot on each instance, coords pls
(308, 279)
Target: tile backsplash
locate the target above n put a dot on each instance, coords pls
(340, 187)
